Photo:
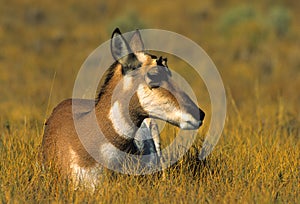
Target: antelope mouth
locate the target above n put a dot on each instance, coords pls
(185, 121)
(189, 122)
(187, 125)
(190, 125)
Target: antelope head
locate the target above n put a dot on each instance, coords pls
(155, 93)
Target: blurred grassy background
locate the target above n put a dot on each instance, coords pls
(254, 44)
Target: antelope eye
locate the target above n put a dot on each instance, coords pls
(153, 78)
(153, 85)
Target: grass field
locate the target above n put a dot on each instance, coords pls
(256, 48)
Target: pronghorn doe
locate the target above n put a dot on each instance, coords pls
(155, 95)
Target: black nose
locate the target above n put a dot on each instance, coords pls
(202, 114)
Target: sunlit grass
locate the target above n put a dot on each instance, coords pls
(250, 163)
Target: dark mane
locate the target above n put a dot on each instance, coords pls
(107, 76)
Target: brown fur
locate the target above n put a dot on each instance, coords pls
(60, 135)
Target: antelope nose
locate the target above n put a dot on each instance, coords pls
(202, 115)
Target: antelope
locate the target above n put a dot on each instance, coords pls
(154, 95)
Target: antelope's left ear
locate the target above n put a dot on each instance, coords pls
(121, 52)
(119, 47)
(136, 42)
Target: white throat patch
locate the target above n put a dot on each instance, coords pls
(120, 123)
(127, 82)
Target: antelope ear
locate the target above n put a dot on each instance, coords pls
(122, 53)
(136, 42)
(120, 49)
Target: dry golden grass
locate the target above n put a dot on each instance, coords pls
(250, 164)
(257, 159)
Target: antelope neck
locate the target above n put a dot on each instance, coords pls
(113, 119)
